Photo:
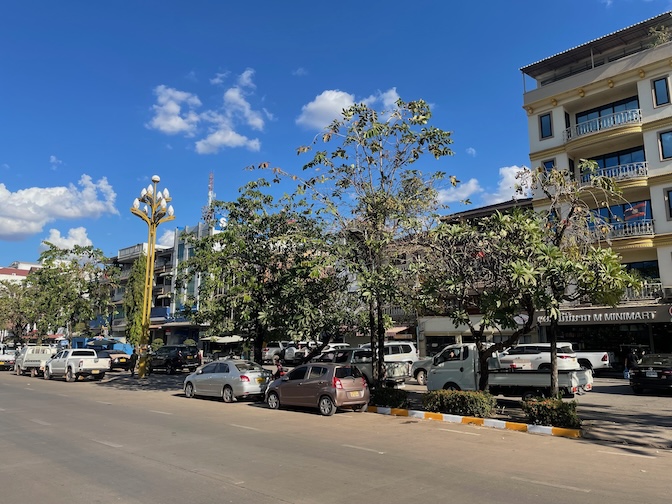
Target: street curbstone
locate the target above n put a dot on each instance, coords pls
(484, 422)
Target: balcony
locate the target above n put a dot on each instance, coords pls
(650, 290)
(611, 121)
(640, 227)
(620, 172)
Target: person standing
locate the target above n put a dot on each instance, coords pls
(132, 361)
(631, 361)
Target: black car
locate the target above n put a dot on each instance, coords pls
(653, 372)
(172, 358)
(118, 358)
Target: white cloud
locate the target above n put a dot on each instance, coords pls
(54, 160)
(167, 239)
(5, 166)
(324, 108)
(76, 236)
(224, 136)
(460, 192)
(235, 103)
(245, 79)
(168, 115)
(191, 76)
(328, 106)
(300, 72)
(219, 78)
(26, 211)
(506, 186)
(471, 151)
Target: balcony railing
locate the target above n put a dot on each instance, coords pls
(640, 227)
(598, 124)
(620, 172)
(650, 290)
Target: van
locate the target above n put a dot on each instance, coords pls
(31, 359)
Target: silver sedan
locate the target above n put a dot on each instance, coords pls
(229, 379)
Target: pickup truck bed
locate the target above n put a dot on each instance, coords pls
(533, 383)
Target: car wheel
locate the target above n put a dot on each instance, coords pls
(451, 386)
(361, 408)
(70, 376)
(421, 377)
(544, 367)
(326, 406)
(528, 395)
(227, 394)
(273, 401)
(47, 374)
(189, 390)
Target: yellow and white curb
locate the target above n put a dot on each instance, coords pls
(485, 422)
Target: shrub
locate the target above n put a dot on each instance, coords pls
(156, 344)
(457, 402)
(553, 412)
(189, 342)
(389, 397)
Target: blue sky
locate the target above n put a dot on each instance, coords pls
(96, 97)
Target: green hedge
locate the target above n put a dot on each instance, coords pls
(553, 412)
(455, 402)
(389, 397)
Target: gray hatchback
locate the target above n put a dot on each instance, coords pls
(322, 385)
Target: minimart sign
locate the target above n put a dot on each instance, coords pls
(643, 315)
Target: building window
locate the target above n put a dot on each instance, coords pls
(545, 126)
(666, 144)
(668, 202)
(549, 165)
(661, 92)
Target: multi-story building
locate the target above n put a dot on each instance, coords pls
(609, 100)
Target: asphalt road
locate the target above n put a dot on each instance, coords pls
(141, 441)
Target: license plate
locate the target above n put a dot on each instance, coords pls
(261, 380)
(652, 374)
(2, 363)
(356, 393)
(122, 360)
(189, 357)
(95, 371)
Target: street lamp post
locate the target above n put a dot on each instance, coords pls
(154, 212)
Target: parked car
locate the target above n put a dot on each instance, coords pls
(73, 363)
(229, 379)
(539, 356)
(398, 351)
(273, 348)
(334, 346)
(7, 357)
(321, 385)
(172, 358)
(654, 372)
(32, 359)
(118, 359)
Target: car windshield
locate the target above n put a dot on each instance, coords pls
(656, 360)
(248, 366)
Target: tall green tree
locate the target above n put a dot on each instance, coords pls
(483, 274)
(575, 260)
(74, 287)
(365, 178)
(269, 273)
(133, 300)
(17, 301)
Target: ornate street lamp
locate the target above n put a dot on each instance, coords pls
(154, 212)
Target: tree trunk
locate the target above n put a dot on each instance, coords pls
(553, 340)
(380, 335)
(483, 358)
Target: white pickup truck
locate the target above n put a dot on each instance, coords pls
(457, 368)
(7, 357)
(75, 362)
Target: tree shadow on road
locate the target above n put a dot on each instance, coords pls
(154, 381)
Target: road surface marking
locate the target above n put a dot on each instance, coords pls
(62, 395)
(244, 427)
(364, 449)
(106, 443)
(545, 483)
(159, 412)
(460, 432)
(627, 454)
(2, 409)
(41, 422)
(103, 402)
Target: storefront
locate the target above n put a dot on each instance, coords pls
(615, 329)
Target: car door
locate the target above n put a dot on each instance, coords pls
(290, 388)
(203, 383)
(221, 376)
(313, 385)
(58, 363)
(448, 368)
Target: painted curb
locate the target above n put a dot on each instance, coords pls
(485, 422)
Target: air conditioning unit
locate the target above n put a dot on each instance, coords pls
(666, 294)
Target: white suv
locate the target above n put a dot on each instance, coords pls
(539, 356)
(273, 348)
(398, 351)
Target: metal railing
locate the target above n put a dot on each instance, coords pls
(620, 172)
(598, 124)
(640, 227)
(649, 290)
